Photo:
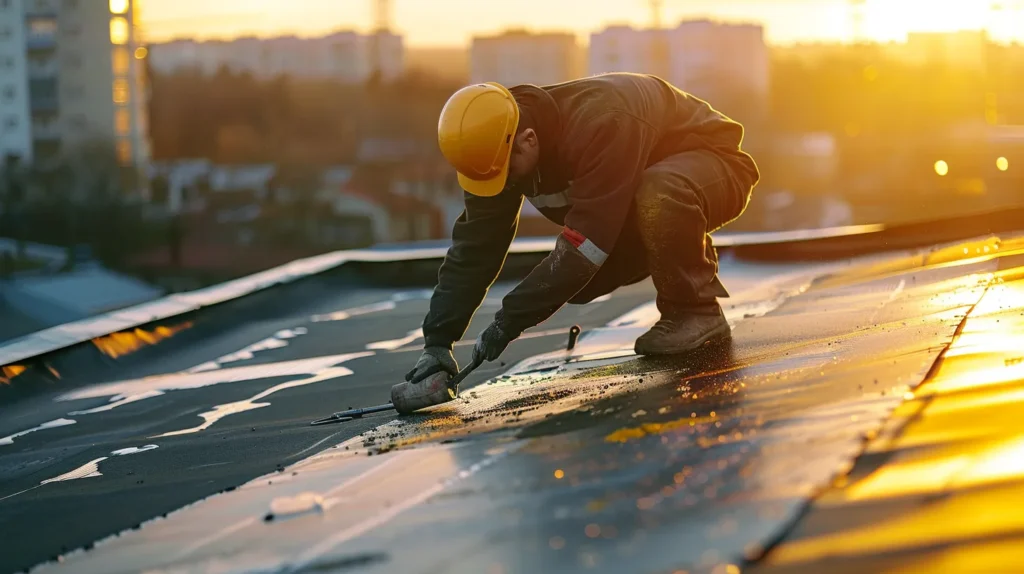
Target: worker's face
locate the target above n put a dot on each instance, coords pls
(525, 155)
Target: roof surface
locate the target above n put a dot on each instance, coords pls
(583, 460)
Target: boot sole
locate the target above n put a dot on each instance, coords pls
(721, 332)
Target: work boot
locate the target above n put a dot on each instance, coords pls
(684, 331)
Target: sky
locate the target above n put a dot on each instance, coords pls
(455, 22)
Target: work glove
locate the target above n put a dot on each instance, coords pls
(433, 360)
(491, 343)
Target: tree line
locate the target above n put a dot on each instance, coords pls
(235, 118)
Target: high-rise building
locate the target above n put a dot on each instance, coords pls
(521, 57)
(627, 49)
(15, 118)
(703, 57)
(712, 58)
(349, 57)
(73, 73)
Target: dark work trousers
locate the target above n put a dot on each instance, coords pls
(680, 201)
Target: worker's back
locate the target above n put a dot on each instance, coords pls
(684, 122)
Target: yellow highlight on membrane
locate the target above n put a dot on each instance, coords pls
(9, 372)
(632, 433)
(120, 344)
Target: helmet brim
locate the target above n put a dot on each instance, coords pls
(487, 187)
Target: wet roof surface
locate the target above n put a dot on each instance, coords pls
(939, 490)
(584, 460)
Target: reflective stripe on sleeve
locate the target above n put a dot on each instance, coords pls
(585, 246)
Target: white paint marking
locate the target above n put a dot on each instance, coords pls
(44, 426)
(133, 450)
(200, 375)
(131, 388)
(90, 469)
(221, 411)
(87, 470)
(291, 333)
(354, 312)
(373, 307)
(114, 403)
(21, 492)
(203, 367)
(250, 351)
(277, 341)
(391, 345)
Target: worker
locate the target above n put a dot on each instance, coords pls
(636, 171)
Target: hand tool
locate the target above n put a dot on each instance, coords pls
(407, 397)
(350, 414)
(439, 388)
(436, 389)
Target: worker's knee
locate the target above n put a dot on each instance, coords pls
(654, 188)
(663, 195)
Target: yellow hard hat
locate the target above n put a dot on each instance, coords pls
(475, 133)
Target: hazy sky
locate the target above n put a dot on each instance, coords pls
(454, 22)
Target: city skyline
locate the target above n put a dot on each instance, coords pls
(454, 22)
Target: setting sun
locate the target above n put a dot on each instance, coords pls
(894, 19)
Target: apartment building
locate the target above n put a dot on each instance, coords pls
(700, 56)
(521, 57)
(627, 49)
(15, 117)
(347, 56)
(73, 73)
(711, 57)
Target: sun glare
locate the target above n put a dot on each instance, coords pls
(894, 19)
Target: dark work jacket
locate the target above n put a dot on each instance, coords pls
(597, 136)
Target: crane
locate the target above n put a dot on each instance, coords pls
(857, 19)
(655, 6)
(381, 29)
(382, 15)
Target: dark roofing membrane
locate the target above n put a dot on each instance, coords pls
(584, 460)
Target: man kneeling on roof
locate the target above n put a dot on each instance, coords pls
(636, 170)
